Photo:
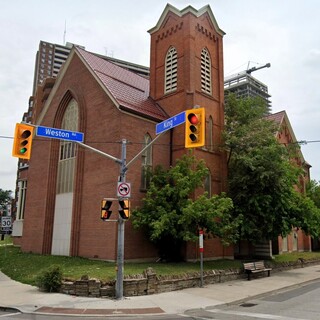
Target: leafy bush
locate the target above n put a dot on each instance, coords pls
(50, 280)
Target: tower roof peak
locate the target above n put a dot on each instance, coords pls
(188, 9)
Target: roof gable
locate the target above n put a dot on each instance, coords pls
(128, 90)
(282, 120)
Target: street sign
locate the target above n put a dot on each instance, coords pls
(171, 122)
(5, 223)
(124, 189)
(59, 134)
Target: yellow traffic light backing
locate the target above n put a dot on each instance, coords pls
(124, 209)
(105, 209)
(22, 142)
(195, 128)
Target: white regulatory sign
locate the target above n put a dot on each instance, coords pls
(124, 189)
(6, 223)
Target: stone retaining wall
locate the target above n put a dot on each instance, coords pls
(149, 283)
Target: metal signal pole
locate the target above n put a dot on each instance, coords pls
(120, 249)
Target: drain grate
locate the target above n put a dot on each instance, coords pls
(248, 305)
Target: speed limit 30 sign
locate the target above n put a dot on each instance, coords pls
(6, 223)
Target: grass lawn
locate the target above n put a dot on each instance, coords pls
(25, 267)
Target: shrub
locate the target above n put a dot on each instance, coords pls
(50, 280)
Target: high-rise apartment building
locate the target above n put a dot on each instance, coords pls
(49, 60)
(244, 85)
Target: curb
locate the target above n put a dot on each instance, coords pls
(98, 312)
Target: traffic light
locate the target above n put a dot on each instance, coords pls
(195, 128)
(124, 209)
(22, 142)
(105, 209)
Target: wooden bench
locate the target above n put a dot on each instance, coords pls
(255, 267)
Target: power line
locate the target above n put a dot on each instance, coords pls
(300, 142)
(306, 142)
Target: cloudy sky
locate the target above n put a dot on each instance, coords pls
(284, 33)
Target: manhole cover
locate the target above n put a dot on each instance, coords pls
(248, 305)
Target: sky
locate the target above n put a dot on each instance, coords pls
(283, 33)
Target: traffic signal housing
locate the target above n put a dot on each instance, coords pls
(105, 209)
(124, 209)
(195, 128)
(22, 142)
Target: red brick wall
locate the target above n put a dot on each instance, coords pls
(304, 241)
(211, 248)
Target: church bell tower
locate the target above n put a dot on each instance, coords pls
(186, 70)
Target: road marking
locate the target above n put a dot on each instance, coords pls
(253, 315)
(9, 314)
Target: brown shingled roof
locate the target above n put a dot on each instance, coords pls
(277, 117)
(128, 89)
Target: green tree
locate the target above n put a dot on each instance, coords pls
(170, 217)
(5, 198)
(308, 215)
(262, 174)
(313, 192)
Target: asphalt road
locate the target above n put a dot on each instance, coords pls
(298, 303)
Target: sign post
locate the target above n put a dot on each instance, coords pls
(201, 256)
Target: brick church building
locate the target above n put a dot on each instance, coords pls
(109, 103)
(61, 187)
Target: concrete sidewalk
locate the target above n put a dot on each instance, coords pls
(28, 299)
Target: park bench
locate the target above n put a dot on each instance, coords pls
(255, 267)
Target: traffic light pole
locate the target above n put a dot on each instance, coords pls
(120, 249)
(120, 242)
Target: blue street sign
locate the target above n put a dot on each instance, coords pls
(59, 134)
(171, 122)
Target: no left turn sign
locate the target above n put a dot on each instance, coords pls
(124, 189)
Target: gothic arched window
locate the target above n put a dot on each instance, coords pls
(67, 154)
(205, 71)
(171, 72)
